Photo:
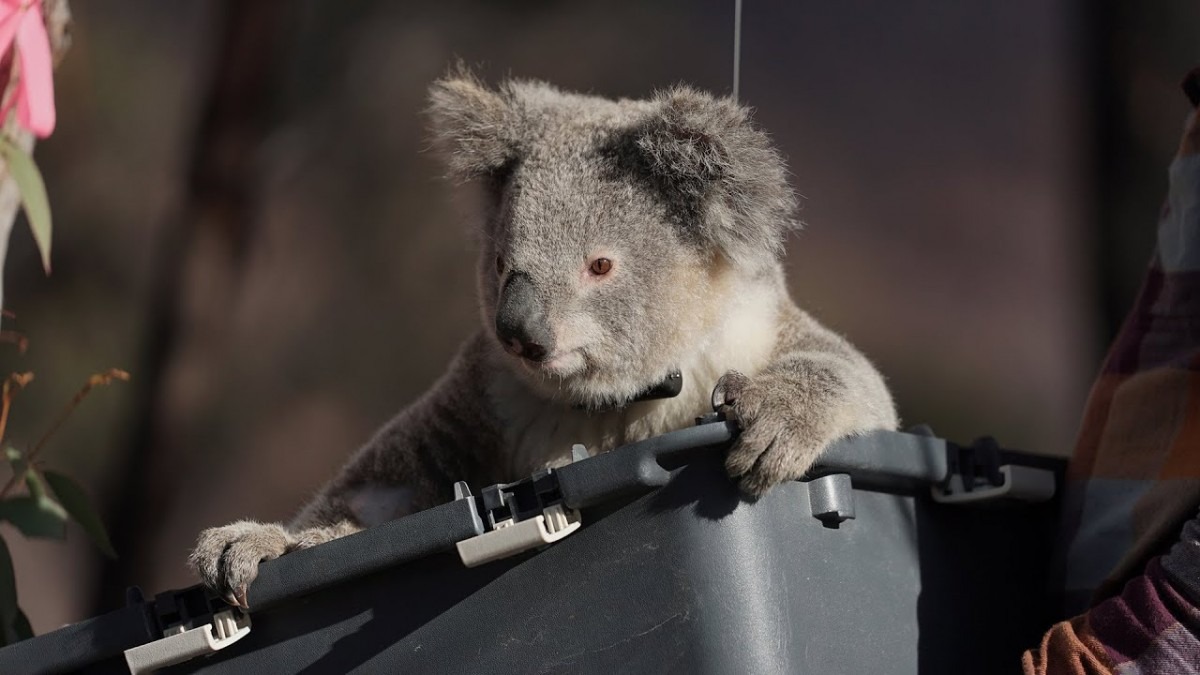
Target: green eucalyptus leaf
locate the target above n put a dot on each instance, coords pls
(35, 517)
(16, 460)
(79, 506)
(33, 195)
(37, 489)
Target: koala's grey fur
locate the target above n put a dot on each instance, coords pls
(691, 203)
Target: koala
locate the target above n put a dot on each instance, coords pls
(620, 241)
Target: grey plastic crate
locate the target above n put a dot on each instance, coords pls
(856, 570)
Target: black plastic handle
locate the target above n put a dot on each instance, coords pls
(887, 460)
(80, 646)
(638, 466)
(881, 459)
(393, 543)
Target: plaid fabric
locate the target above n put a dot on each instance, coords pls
(1152, 627)
(1134, 479)
(1135, 476)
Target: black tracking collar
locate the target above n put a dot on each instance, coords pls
(669, 387)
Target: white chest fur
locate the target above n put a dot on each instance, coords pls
(742, 338)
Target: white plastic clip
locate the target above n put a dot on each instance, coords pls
(182, 645)
(1024, 483)
(511, 538)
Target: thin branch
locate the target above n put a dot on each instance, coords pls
(99, 379)
(15, 382)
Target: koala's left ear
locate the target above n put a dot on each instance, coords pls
(473, 126)
(708, 157)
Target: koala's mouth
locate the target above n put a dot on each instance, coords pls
(561, 364)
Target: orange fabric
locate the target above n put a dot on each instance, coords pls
(1068, 648)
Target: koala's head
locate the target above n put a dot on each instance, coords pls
(609, 228)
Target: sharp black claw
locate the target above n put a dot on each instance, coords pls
(718, 397)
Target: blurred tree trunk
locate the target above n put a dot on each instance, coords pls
(205, 242)
(1108, 140)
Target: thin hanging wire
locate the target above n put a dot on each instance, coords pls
(737, 45)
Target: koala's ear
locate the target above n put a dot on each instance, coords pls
(708, 156)
(473, 126)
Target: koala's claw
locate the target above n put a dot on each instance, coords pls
(239, 598)
(236, 598)
(726, 393)
(226, 558)
(776, 443)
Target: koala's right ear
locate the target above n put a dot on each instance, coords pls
(473, 126)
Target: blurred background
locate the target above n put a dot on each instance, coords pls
(248, 220)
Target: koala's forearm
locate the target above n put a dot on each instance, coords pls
(829, 374)
(409, 465)
(413, 462)
(815, 389)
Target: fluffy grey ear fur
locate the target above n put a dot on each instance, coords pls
(729, 183)
(474, 127)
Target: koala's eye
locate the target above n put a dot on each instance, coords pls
(600, 266)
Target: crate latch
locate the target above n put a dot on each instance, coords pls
(180, 644)
(1022, 483)
(513, 537)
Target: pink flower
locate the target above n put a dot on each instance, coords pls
(21, 23)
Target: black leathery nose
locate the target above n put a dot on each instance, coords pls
(520, 321)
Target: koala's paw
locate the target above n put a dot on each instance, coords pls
(779, 440)
(227, 558)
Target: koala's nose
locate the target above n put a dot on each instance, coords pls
(520, 321)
